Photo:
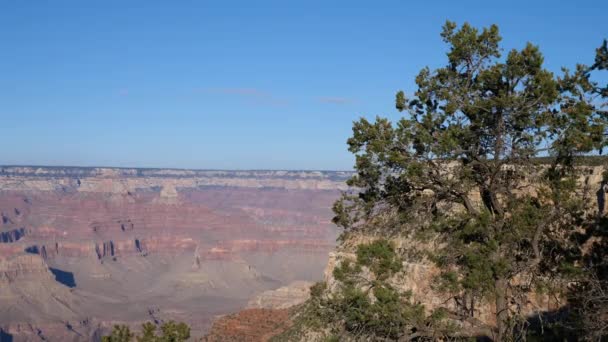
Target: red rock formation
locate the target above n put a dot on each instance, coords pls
(251, 325)
(8, 250)
(23, 267)
(272, 246)
(13, 235)
(193, 244)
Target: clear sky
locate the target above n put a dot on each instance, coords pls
(236, 84)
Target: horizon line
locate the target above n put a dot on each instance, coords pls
(165, 168)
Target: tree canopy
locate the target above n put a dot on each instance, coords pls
(459, 169)
(169, 332)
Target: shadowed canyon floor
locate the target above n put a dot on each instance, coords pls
(84, 248)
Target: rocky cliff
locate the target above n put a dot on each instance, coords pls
(90, 246)
(23, 267)
(417, 277)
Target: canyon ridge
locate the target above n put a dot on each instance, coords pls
(82, 249)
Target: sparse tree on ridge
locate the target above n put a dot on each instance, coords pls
(171, 332)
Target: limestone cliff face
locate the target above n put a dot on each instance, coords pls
(12, 235)
(22, 268)
(100, 245)
(104, 179)
(282, 298)
(9, 250)
(418, 276)
(29, 292)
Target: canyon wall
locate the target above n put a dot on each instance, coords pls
(84, 248)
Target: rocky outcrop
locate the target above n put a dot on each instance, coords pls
(100, 179)
(83, 330)
(10, 249)
(417, 277)
(251, 325)
(166, 244)
(113, 248)
(265, 316)
(270, 246)
(168, 194)
(32, 297)
(282, 298)
(12, 235)
(23, 267)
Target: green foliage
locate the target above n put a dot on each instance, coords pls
(386, 313)
(171, 332)
(485, 165)
(332, 338)
(317, 289)
(148, 333)
(380, 257)
(366, 305)
(588, 296)
(175, 332)
(120, 333)
(345, 270)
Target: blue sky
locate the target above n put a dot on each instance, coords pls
(236, 84)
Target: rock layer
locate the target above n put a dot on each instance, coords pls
(282, 298)
(92, 246)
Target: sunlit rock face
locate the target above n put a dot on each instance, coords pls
(88, 247)
(282, 298)
(419, 274)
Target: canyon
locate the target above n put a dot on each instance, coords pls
(82, 248)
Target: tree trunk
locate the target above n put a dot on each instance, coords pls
(467, 306)
(502, 313)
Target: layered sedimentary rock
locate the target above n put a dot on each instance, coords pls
(131, 245)
(12, 235)
(34, 305)
(23, 267)
(282, 298)
(251, 325)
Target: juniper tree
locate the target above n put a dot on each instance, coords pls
(460, 168)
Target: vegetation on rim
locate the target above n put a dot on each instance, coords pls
(169, 332)
(461, 170)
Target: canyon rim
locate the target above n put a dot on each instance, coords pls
(82, 249)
